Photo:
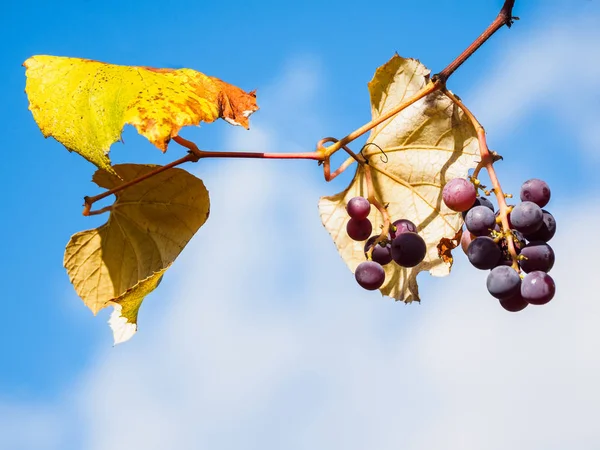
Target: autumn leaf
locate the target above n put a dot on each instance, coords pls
(427, 144)
(123, 320)
(149, 225)
(85, 104)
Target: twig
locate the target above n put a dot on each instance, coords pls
(372, 196)
(326, 161)
(504, 17)
(428, 89)
(194, 155)
(200, 154)
(326, 168)
(89, 201)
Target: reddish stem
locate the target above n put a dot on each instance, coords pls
(372, 196)
(326, 168)
(89, 201)
(504, 17)
(194, 155)
(328, 151)
(193, 148)
(326, 161)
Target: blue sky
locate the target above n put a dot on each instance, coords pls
(273, 346)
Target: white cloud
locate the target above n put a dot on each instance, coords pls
(554, 70)
(260, 338)
(243, 365)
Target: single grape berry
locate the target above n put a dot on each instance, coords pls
(480, 220)
(359, 230)
(538, 288)
(369, 275)
(403, 226)
(546, 231)
(527, 217)
(483, 253)
(480, 201)
(358, 208)
(459, 194)
(539, 256)
(408, 249)
(515, 303)
(503, 282)
(381, 254)
(536, 191)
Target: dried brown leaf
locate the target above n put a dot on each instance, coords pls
(426, 144)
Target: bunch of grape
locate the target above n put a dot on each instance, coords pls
(487, 248)
(402, 245)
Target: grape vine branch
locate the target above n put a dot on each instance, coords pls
(408, 202)
(323, 154)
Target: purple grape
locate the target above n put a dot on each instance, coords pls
(527, 217)
(459, 194)
(546, 231)
(540, 256)
(358, 208)
(536, 191)
(503, 282)
(504, 261)
(403, 226)
(381, 254)
(359, 230)
(480, 220)
(480, 201)
(538, 288)
(514, 303)
(408, 249)
(369, 275)
(483, 253)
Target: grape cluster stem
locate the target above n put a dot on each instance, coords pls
(372, 197)
(487, 160)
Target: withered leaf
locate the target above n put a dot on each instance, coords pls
(426, 144)
(149, 225)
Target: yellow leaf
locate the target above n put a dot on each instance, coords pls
(85, 104)
(427, 144)
(123, 320)
(149, 225)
